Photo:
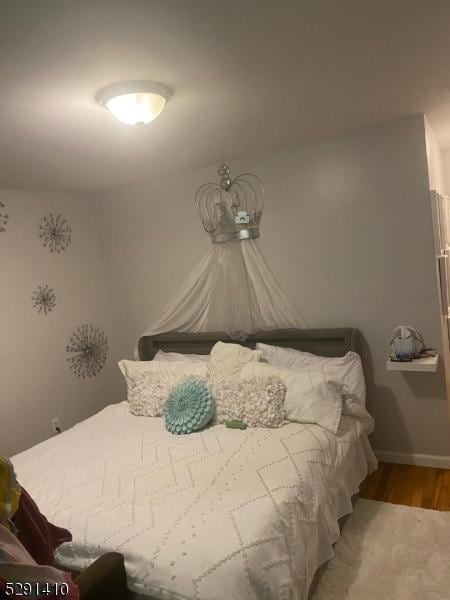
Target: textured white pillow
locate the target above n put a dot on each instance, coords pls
(179, 357)
(149, 383)
(310, 398)
(345, 371)
(258, 403)
(227, 360)
(147, 393)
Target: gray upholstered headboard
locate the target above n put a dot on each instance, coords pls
(324, 342)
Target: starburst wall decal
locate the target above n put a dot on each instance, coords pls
(55, 233)
(89, 346)
(44, 299)
(3, 217)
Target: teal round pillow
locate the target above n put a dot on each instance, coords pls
(189, 407)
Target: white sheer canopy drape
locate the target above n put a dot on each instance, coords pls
(232, 289)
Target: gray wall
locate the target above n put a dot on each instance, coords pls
(347, 228)
(36, 383)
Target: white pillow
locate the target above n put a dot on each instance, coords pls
(310, 398)
(258, 402)
(179, 357)
(227, 360)
(149, 383)
(345, 371)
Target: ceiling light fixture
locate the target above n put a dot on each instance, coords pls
(134, 102)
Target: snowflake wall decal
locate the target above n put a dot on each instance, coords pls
(55, 233)
(3, 217)
(44, 299)
(90, 347)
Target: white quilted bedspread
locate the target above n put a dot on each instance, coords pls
(221, 514)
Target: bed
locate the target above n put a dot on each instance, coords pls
(219, 514)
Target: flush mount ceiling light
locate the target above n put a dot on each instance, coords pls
(134, 102)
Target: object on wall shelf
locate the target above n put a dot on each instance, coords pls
(406, 342)
(55, 233)
(44, 299)
(3, 218)
(427, 364)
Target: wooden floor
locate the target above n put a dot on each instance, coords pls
(426, 487)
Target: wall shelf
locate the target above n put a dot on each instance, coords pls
(428, 364)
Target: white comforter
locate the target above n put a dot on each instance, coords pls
(221, 514)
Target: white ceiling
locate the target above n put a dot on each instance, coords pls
(246, 74)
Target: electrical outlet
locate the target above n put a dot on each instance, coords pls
(56, 428)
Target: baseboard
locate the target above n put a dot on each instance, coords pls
(421, 460)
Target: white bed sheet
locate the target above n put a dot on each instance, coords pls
(219, 514)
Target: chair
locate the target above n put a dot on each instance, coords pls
(105, 579)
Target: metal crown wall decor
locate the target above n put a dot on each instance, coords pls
(232, 208)
(232, 289)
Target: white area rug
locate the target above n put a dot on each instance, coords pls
(390, 552)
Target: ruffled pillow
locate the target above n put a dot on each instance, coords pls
(258, 403)
(310, 397)
(150, 383)
(148, 392)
